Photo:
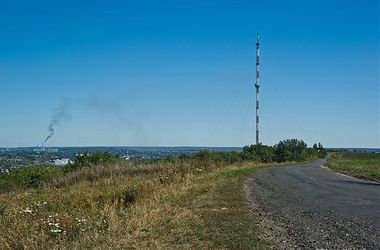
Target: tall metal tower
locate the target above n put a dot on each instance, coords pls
(257, 85)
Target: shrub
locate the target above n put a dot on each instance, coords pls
(291, 150)
(2, 209)
(218, 157)
(232, 157)
(31, 177)
(124, 199)
(89, 160)
(260, 153)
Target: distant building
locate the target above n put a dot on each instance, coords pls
(61, 162)
(52, 150)
(38, 150)
(48, 150)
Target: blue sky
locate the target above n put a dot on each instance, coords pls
(182, 72)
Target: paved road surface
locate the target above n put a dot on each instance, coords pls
(317, 208)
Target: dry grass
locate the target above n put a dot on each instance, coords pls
(178, 205)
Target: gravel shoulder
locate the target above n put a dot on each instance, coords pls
(311, 207)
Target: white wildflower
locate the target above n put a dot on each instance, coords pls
(55, 230)
(27, 210)
(81, 220)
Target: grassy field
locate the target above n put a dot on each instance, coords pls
(180, 205)
(362, 165)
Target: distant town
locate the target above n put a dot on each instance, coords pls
(14, 158)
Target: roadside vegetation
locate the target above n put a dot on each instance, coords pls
(101, 201)
(361, 165)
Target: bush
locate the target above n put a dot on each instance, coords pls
(31, 177)
(232, 157)
(291, 150)
(89, 160)
(260, 153)
(2, 209)
(218, 157)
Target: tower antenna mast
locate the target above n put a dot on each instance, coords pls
(257, 85)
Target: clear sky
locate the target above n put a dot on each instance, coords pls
(182, 72)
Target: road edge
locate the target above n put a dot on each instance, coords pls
(269, 231)
(356, 177)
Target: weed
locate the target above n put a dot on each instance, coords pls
(2, 209)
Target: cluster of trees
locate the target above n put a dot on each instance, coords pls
(286, 150)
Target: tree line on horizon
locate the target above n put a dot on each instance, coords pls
(285, 151)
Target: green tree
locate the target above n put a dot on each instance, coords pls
(291, 150)
(261, 153)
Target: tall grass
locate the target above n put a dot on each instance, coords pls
(193, 208)
(110, 206)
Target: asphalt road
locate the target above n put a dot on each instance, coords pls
(311, 207)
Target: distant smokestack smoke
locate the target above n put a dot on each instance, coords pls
(59, 115)
(51, 134)
(111, 108)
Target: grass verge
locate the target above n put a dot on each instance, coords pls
(361, 165)
(178, 207)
